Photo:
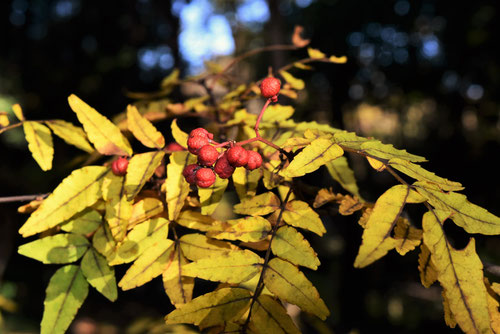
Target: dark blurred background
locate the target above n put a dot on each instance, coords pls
(422, 75)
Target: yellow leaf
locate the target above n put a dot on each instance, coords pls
(143, 210)
(472, 218)
(18, 111)
(71, 134)
(234, 267)
(300, 214)
(59, 248)
(378, 165)
(288, 93)
(197, 246)
(195, 220)
(297, 39)
(84, 222)
(118, 207)
(104, 243)
(39, 143)
(171, 80)
(211, 196)
(338, 60)
(99, 274)
(248, 229)
(259, 205)
(143, 130)
(290, 245)
(178, 287)
(277, 113)
(349, 205)
(340, 171)
(324, 196)
(269, 316)
(195, 102)
(246, 182)
(302, 66)
(289, 284)
(493, 307)
(293, 81)
(81, 189)
(313, 156)
(213, 308)
(105, 136)
(460, 272)
(140, 169)
(180, 136)
(449, 318)
(377, 240)
(315, 54)
(149, 265)
(428, 273)
(176, 185)
(377, 149)
(4, 119)
(406, 236)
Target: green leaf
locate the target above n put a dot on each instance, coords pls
(176, 185)
(83, 223)
(290, 245)
(340, 171)
(313, 156)
(59, 248)
(300, 214)
(213, 308)
(289, 284)
(260, 205)
(197, 246)
(81, 189)
(65, 294)
(211, 196)
(143, 130)
(248, 229)
(269, 316)
(71, 134)
(118, 207)
(246, 182)
(105, 135)
(39, 143)
(140, 169)
(99, 274)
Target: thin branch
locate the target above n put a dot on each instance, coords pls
(22, 198)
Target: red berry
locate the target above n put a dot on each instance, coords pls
(223, 168)
(195, 143)
(201, 132)
(254, 160)
(205, 177)
(270, 87)
(207, 155)
(189, 173)
(237, 156)
(119, 166)
(174, 147)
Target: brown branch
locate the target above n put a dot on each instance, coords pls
(22, 198)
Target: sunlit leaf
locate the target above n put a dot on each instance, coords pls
(246, 182)
(386, 151)
(197, 246)
(246, 229)
(493, 307)
(65, 294)
(349, 205)
(84, 222)
(259, 205)
(143, 210)
(40, 143)
(104, 242)
(18, 111)
(81, 189)
(290, 245)
(4, 119)
(211, 196)
(289, 284)
(378, 165)
(338, 60)
(406, 236)
(60, 248)
(316, 54)
(269, 316)
(99, 274)
(428, 273)
(340, 171)
(212, 308)
(71, 134)
(180, 136)
(140, 169)
(293, 81)
(178, 287)
(105, 135)
(195, 220)
(300, 214)
(143, 130)
(118, 207)
(176, 185)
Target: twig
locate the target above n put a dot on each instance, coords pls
(22, 198)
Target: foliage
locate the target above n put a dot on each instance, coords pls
(152, 219)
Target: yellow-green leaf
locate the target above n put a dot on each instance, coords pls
(246, 182)
(234, 267)
(195, 220)
(406, 236)
(18, 111)
(118, 207)
(71, 134)
(105, 135)
(149, 265)
(340, 171)
(178, 287)
(211, 196)
(315, 53)
(377, 149)
(428, 273)
(65, 294)
(290, 245)
(277, 113)
(140, 169)
(248, 229)
(81, 189)
(143, 130)
(180, 136)
(176, 186)
(313, 156)
(212, 308)
(39, 143)
(143, 210)
(104, 243)
(197, 246)
(460, 272)
(259, 205)
(300, 214)
(99, 274)
(289, 284)
(84, 222)
(297, 84)
(269, 316)
(59, 248)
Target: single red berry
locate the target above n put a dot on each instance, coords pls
(237, 156)
(174, 147)
(223, 168)
(195, 143)
(189, 173)
(270, 87)
(254, 160)
(207, 155)
(119, 166)
(201, 132)
(205, 177)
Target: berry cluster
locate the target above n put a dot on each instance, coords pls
(211, 162)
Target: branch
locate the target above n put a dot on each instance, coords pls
(22, 198)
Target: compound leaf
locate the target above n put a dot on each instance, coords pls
(197, 246)
(178, 287)
(259, 205)
(269, 316)
(65, 294)
(59, 248)
(176, 185)
(71, 134)
(211, 196)
(99, 274)
(81, 189)
(290, 245)
(300, 214)
(105, 135)
(289, 284)
(143, 129)
(39, 143)
(248, 229)
(212, 308)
